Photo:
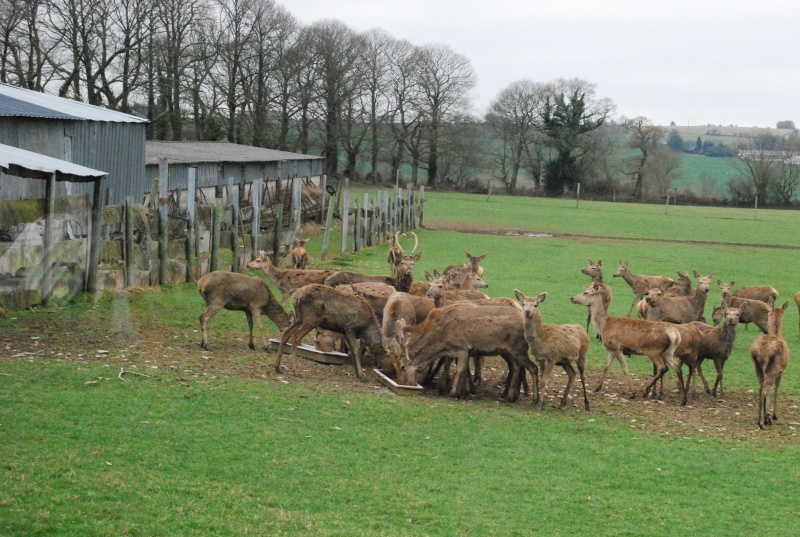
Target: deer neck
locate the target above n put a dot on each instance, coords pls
(629, 278)
(599, 315)
(533, 326)
(775, 326)
(402, 282)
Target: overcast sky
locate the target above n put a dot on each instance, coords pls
(689, 61)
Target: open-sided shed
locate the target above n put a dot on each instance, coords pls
(28, 165)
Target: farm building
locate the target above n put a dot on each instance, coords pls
(220, 163)
(73, 131)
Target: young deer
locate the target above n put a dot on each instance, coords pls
(239, 292)
(753, 311)
(552, 345)
(299, 255)
(718, 344)
(595, 272)
(287, 280)
(680, 309)
(770, 355)
(622, 335)
(641, 284)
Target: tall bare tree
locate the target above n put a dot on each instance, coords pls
(445, 80)
(404, 116)
(514, 116)
(643, 136)
(375, 80)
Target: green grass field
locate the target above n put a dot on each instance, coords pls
(218, 444)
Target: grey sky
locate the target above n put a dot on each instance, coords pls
(689, 61)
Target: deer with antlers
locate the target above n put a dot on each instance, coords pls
(402, 271)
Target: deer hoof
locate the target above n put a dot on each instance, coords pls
(597, 390)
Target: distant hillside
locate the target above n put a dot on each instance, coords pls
(729, 135)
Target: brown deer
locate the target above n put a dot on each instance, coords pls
(718, 344)
(287, 280)
(752, 311)
(320, 306)
(622, 335)
(595, 272)
(641, 284)
(552, 345)
(462, 278)
(770, 355)
(797, 302)
(401, 279)
(757, 292)
(299, 254)
(682, 287)
(679, 309)
(375, 293)
(464, 330)
(474, 264)
(239, 292)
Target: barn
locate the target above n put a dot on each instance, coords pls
(76, 132)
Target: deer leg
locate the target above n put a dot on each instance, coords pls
(249, 315)
(444, 373)
(635, 300)
(702, 377)
(432, 372)
(581, 366)
(462, 359)
(477, 377)
(284, 338)
(570, 381)
(297, 339)
(211, 310)
(547, 371)
(718, 365)
(775, 386)
(651, 385)
(354, 345)
(609, 358)
(762, 402)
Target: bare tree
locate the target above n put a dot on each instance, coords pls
(643, 136)
(514, 116)
(445, 80)
(404, 116)
(757, 164)
(27, 56)
(662, 169)
(375, 78)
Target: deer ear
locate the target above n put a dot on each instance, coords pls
(519, 295)
(785, 305)
(712, 274)
(696, 274)
(599, 262)
(437, 273)
(542, 296)
(416, 257)
(719, 282)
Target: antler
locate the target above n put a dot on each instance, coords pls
(416, 242)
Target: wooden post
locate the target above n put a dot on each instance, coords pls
(163, 240)
(367, 241)
(94, 249)
(372, 218)
(577, 195)
(256, 224)
(128, 245)
(421, 206)
(323, 198)
(326, 237)
(47, 249)
(489, 192)
(755, 209)
(215, 231)
(412, 219)
(191, 247)
(235, 230)
(357, 228)
(666, 207)
(345, 213)
(297, 205)
(276, 238)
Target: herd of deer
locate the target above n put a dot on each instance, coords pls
(416, 330)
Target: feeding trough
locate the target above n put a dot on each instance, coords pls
(399, 389)
(312, 353)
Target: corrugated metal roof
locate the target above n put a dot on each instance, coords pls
(28, 103)
(197, 152)
(22, 163)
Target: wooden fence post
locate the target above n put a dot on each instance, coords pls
(345, 213)
(323, 197)
(421, 206)
(163, 224)
(326, 237)
(235, 231)
(276, 238)
(356, 228)
(46, 282)
(191, 247)
(94, 249)
(128, 245)
(256, 222)
(215, 231)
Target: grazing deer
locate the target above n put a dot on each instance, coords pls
(287, 280)
(641, 284)
(770, 355)
(622, 335)
(299, 255)
(552, 345)
(464, 330)
(718, 344)
(595, 272)
(320, 306)
(239, 292)
(753, 311)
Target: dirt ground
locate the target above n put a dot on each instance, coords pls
(126, 344)
(149, 350)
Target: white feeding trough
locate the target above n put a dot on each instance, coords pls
(399, 389)
(311, 353)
